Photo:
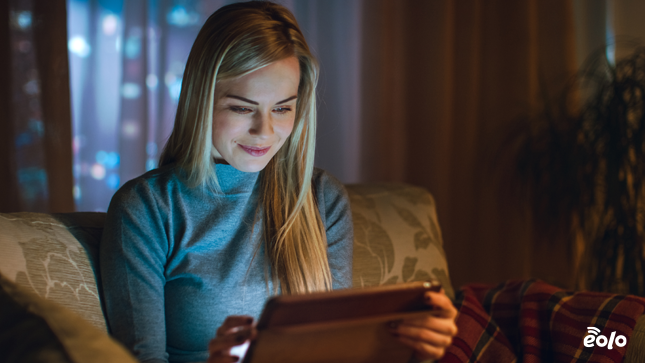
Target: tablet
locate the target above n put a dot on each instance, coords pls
(341, 326)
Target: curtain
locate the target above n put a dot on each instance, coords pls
(35, 129)
(443, 81)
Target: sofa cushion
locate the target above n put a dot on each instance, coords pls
(40, 253)
(37, 330)
(396, 239)
(25, 336)
(396, 236)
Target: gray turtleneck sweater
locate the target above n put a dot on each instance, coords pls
(176, 261)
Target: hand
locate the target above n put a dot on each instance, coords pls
(236, 330)
(432, 334)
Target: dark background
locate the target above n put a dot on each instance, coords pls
(412, 91)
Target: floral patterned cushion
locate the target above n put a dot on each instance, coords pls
(397, 239)
(396, 236)
(48, 255)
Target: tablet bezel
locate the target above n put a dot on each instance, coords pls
(347, 306)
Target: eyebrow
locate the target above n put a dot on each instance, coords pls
(255, 103)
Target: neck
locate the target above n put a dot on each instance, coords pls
(220, 161)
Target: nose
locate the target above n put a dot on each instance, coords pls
(262, 125)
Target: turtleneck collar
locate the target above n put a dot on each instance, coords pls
(233, 181)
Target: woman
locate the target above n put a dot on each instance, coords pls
(236, 212)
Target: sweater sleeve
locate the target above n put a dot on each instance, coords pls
(333, 203)
(133, 253)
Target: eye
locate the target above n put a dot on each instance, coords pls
(240, 110)
(282, 110)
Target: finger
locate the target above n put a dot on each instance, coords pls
(423, 335)
(441, 303)
(234, 321)
(226, 342)
(423, 351)
(438, 324)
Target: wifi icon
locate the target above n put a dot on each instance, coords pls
(601, 340)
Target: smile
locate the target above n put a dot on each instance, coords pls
(255, 151)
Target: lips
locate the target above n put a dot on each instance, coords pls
(255, 151)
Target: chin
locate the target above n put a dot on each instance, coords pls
(251, 167)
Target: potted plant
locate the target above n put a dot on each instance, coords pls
(582, 170)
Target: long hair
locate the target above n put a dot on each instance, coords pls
(237, 40)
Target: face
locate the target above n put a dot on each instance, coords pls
(254, 114)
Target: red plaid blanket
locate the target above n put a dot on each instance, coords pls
(532, 321)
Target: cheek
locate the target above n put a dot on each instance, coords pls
(284, 129)
(225, 128)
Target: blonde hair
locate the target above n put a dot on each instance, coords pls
(236, 40)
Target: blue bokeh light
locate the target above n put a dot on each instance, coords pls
(133, 47)
(24, 19)
(37, 127)
(101, 157)
(175, 89)
(110, 160)
(180, 17)
(24, 139)
(130, 90)
(151, 164)
(33, 183)
(113, 180)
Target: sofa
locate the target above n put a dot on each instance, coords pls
(49, 269)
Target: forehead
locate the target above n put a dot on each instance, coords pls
(279, 79)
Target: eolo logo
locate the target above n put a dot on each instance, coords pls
(602, 340)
